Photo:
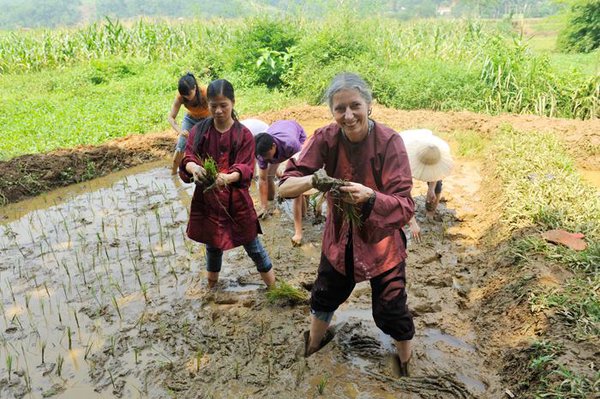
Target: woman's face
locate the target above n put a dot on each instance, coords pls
(190, 95)
(351, 112)
(220, 108)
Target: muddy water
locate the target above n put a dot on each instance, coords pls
(101, 277)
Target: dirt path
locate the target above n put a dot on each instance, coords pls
(100, 279)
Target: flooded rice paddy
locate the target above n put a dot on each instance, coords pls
(103, 296)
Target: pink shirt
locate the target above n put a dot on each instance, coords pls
(379, 162)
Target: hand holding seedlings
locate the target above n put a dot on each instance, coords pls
(199, 174)
(355, 193)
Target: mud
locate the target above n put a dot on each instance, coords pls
(101, 277)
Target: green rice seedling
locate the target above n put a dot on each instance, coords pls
(210, 166)
(237, 370)
(12, 294)
(9, 364)
(322, 384)
(117, 307)
(59, 364)
(69, 337)
(112, 380)
(173, 272)
(3, 312)
(47, 290)
(88, 348)
(76, 319)
(173, 244)
(27, 299)
(117, 287)
(122, 271)
(154, 271)
(64, 265)
(43, 352)
(199, 360)
(145, 292)
(64, 288)
(136, 353)
(284, 293)
(59, 313)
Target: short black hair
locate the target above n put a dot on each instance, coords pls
(264, 142)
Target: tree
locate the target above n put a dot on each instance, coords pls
(582, 33)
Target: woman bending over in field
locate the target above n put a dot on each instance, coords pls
(193, 98)
(222, 213)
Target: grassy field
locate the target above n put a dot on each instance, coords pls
(541, 35)
(90, 104)
(83, 86)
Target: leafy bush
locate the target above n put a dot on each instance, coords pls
(261, 47)
(582, 33)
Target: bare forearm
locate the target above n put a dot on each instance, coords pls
(294, 186)
(174, 125)
(232, 177)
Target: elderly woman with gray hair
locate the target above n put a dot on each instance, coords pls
(366, 164)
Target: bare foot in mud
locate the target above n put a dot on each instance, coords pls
(296, 240)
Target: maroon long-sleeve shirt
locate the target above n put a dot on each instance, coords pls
(224, 218)
(379, 162)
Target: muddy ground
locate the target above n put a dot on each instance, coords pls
(104, 297)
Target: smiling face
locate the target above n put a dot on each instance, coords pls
(351, 112)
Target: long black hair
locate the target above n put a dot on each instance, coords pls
(187, 83)
(222, 87)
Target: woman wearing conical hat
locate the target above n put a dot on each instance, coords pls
(430, 161)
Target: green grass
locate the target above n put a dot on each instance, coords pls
(542, 190)
(90, 104)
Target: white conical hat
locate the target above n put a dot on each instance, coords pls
(429, 158)
(414, 134)
(256, 126)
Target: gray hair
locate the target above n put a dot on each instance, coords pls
(348, 81)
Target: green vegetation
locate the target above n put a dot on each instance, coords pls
(582, 33)
(543, 191)
(52, 13)
(63, 88)
(284, 293)
(540, 190)
(549, 377)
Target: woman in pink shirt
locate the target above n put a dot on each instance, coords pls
(372, 159)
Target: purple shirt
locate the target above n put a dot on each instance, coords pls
(288, 137)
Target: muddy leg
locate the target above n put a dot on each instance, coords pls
(177, 157)
(213, 279)
(298, 208)
(268, 278)
(404, 355)
(318, 328)
(271, 185)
